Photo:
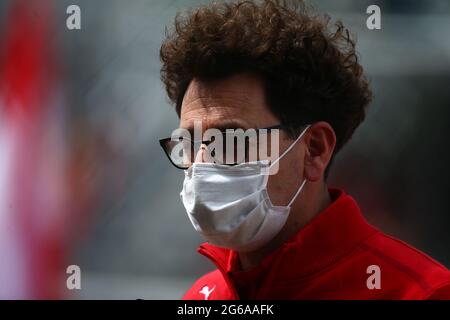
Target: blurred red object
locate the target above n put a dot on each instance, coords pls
(32, 155)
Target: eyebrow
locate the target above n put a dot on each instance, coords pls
(222, 126)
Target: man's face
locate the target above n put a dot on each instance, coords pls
(239, 102)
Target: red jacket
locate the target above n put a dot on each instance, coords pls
(335, 256)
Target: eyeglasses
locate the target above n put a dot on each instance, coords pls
(232, 148)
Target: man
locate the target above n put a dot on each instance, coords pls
(275, 65)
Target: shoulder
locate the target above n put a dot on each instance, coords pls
(411, 272)
(211, 286)
(442, 293)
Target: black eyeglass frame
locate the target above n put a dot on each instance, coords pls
(163, 142)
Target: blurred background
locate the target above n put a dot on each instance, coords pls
(84, 182)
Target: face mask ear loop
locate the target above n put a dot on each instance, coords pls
(290, 147)
(297, 193)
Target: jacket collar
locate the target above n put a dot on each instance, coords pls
(329, 236)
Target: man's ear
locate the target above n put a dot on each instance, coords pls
(320, 141)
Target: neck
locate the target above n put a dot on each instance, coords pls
(301, 213)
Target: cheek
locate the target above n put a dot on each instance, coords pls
(276, 190)
(281, 186)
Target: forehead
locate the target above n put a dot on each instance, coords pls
(236, 101)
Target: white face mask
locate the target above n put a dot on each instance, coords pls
(229, 205)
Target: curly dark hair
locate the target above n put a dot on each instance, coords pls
(308, 64)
